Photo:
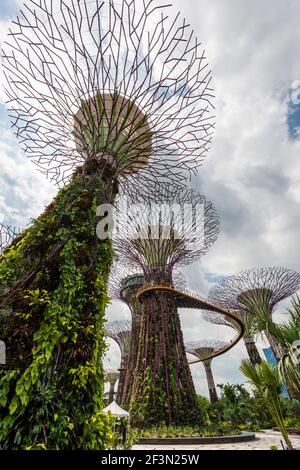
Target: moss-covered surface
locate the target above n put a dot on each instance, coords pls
(163, 390)
(54, 281)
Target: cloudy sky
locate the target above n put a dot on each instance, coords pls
(253, 171)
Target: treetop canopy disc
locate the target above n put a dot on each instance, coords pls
(126, 82)
(112, 128)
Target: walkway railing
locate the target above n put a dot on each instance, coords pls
(200, 303)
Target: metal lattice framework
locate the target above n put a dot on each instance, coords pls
(255, 289)
(120, 331)
(204, 349)
(217, 319)
(123, 277)
(7, 235)
(124, 83)
(157, 238)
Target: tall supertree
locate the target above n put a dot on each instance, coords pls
(124, 285)
(111, 376)
(157, 239)
(120, 331)
(257, 292)
(248, 337)
(204, 350)
(103, 97)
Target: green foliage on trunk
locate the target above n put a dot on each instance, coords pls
(54, 280)
(163, 391)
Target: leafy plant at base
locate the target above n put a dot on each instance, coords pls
(265, 379)
(285, 334)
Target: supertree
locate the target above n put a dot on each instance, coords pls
(248, 337)
(103, 98)
(204, 350)
(111, 376)
(157, 239)
(257, 292)
(120, 331)
(124, 285)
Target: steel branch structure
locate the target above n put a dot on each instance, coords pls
(7, 235)
(247, 319)
(120, 331)
(205, 350)
(125, 83)
(156, 238)
(111, 376)
(257, 291)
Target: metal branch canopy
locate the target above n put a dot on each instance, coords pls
(156, 238)
(110, 81)
(7, 235)
(120, 331)
(205, 349)
(256, 288)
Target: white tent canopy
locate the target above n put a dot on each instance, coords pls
(116, 410)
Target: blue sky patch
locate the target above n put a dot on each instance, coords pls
(213, 279)
(293, 116)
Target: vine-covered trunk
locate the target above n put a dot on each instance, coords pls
(210, 381)
(252, 350)
(54, 280)
(163, 389)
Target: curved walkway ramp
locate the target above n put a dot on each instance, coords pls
(186, 299)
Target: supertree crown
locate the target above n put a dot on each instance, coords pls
(156, 237)
(120, 331)
(203, 349)
(109, 81)
(218, 319)
(256, 289)
(7, 235)
(111, 375)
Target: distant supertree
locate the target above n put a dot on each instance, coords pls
(257, 292)
(111, 376)
(7, 235)
(120, 331)
(157, 239)
(108, 98)
(248, 337)
(204, 350)
(123, 285)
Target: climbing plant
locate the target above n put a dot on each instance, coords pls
(53, 280)
(163, 391)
